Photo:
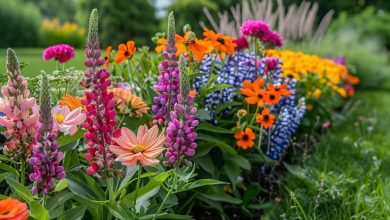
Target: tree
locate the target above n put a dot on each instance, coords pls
(127, 20)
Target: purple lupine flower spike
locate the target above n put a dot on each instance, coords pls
(181, 132)
(168, 85)
(46, 158)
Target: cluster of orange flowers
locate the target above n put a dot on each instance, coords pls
(189, 44)
(262, 95)
(125, 52)
(12, 209)
(128, 103)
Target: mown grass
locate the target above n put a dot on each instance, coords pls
(347, 174)
(32, 57)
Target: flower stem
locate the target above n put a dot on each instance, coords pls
(254, 116)
(110, 187)
(22, 172)
(162, 204)
(138, 183)
(260, 138)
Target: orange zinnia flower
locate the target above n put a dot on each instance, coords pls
(272, 97)
(254, 92)
(71, 102)
(107, 58)
(144, 148)
(265, 119)
(223, 44)
(12, 209)
(127, 102)
(245, 138)
(125, 52)
(281, 89)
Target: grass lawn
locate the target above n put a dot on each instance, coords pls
(33, 58)
(347, 175)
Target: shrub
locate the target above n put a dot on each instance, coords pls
(20, 22)
(53, 32)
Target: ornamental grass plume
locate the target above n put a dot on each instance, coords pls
(100, 112)
(60, 52)
(20, 112)
(168, 86)
(12, 209)
(46, 157)
(181, 133)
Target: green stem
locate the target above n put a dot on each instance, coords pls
(22, 172)
(110, 187)
(44, 200)
(162, 204)
(211, 69)
(254, 116)
(260, 138)
(138, 182)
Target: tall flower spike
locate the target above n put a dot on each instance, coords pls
(168, 85)
(181, 133)
(99, 102)
(46, 157)
(20, 115)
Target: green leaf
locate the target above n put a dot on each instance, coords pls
(260, 158)
(222, 145)
(214, 129)
(85, 186)
(220, 86)
(296, 170)
(200, 183)
(20, 190)
(65, 140)
(37, 211)
(219, 195)
(62, 184)
(58, 200)
(252, 191)
(232, 170)
(260, 206)
(75, 213)
(119, 212)
(242, 162)
(206, 163)
(71, 159)
(203, 149)
(7, 168)
(167, 216)
(223, 106)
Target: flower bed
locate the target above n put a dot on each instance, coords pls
(146, 136)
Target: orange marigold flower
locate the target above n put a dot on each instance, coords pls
(71, 102)
(223, 44)
(107, 58)
(125, 52)
(129, 103)
(272, 97)
(254, 92)
(265, 119)
(12, 209)
(281, 89)
(245, 138)
(199, 48)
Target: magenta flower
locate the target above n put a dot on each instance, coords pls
(241, 42)
(60, 52)
(254, 28)
(273, 39)
(100, 113)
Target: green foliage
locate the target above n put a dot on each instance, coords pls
(19, 24)
(54, 32)
(190, 12)
(127, 20)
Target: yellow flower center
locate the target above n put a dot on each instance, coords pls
(59, 118)
(138, 148)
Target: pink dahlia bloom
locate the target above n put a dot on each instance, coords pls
(60, 52)
(68, 121)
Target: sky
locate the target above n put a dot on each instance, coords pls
(161, 6)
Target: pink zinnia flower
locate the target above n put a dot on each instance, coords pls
(144, 147)
(68, 121)
(60, 52)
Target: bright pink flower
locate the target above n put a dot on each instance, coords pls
(68, 121)
(241, 42)
(254, 28)
(60, 52)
